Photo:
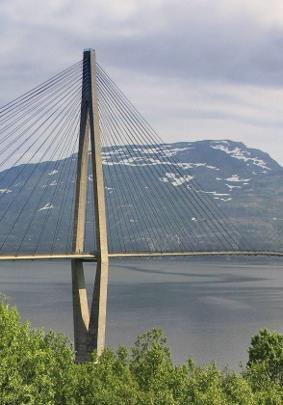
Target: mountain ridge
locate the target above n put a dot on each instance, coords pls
(246, 185)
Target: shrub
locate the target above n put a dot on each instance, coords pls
(266, 354)
(34, 366)
(38, 368)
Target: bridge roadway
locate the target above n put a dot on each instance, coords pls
(93, 258)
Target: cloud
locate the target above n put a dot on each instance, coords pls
(200, 43)
(197, 109)
(197, 69)
(232, 41)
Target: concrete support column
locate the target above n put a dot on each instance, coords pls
(98, 308)
(80, 311)
(89, 325)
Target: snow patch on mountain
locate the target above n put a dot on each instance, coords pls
(175, 180)
(138, 161)
(237, 179)
(53, 173)
(113, 151)
(214, 193)
(165, 150)
(195, 165)
(223, 199)
(231, 187)
(47, 206)
(240, 154)
(109, 189)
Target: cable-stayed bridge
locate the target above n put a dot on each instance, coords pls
(78, 181)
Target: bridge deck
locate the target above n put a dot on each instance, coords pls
(83, 256)
(176, 254)
(93, 257)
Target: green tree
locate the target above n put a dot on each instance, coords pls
(39, 368)
(35, 367)
(266, 354)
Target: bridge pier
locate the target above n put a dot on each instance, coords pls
(80, 310)
(89, 321)
(97, 323)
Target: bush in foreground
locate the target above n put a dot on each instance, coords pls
(38, 368)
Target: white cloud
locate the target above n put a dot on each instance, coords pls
(196, 69)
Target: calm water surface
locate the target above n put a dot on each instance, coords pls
(208, 309)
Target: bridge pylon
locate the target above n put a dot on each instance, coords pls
(89, 321)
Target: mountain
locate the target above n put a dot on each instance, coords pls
(144, 188)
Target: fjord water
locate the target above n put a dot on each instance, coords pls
(208, 308)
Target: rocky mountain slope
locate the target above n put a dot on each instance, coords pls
(245, 184)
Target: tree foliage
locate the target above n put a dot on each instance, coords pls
(38, 368)
(266, 354)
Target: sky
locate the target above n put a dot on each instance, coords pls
(196, 69)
